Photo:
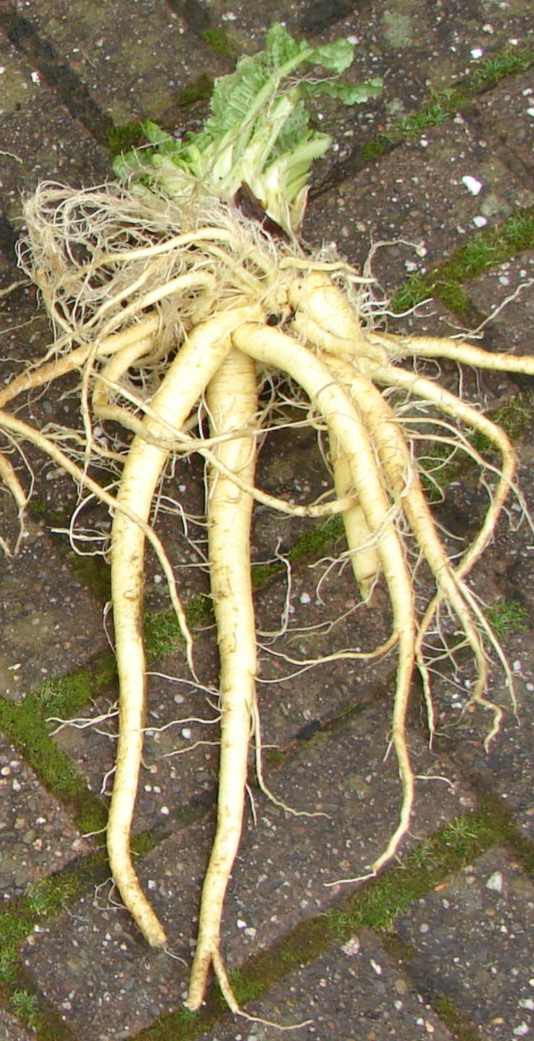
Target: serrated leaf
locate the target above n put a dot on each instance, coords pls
(336, 56)
(347, 93)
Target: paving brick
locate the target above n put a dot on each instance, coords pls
(38, 137)
(511, 328)
(278, 879)
(133, 59)
(10, 1028)
(354, 992)
(48, 618)
(506, 120)
(417, 194)
(36, 835)
(471, 945)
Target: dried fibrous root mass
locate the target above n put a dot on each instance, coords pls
(175, 309)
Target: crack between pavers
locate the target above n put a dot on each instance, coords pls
(458, 98)
(8, 240)
(72, 92)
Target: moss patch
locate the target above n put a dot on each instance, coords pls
(125, 137)
(221, 41)
(442, 105)
(485, 250)
(508, 616)
(25, 726)
(376, 906)
(458, 1023)
(199, 90)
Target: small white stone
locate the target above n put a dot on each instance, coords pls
(241, 924)
(521, 1030)
(476, 52)
(165, 811)
(35, 78)
(472, 184)
(495, 882)
(527, 1003)
(351, 947)
(479, 221)
(186, 732)
(530, 111)
(376, 967)
(305, 598)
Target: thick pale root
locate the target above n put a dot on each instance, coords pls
(183, 385)
(232, 405)
(273, 348)
(364, 556)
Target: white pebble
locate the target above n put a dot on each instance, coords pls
(186, 732)
(521, 1030)
(472, 184)
(527, 1003)
(476, 52)
(305, 598)
(165, 811)
(376, 967)
(495, 882)
(241, 924)
(479, 221)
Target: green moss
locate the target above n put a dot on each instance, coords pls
(123, 138)
(200, 89)
(443, 104)
(376, 147)
(438, 467)
(492, 70)
(515, 418)
(273, 757)
(25, 1006)
(221, 41)
(508, 616)
(94, 573)
(457, 1021)
(49, 895)
(436, 111)
(484, 250)
(8, 964)
(25, 726)
(161, 634)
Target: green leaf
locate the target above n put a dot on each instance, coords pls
(347, 93)
(336, 56)
(257, 132)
